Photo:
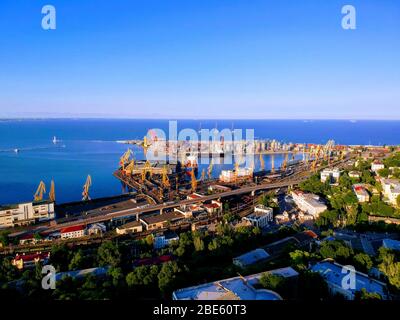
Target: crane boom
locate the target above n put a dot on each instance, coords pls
(40, 191)
(86, 186)
(52, 193)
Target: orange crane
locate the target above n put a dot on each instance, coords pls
(129, 168)
(193, 180)
(146, 169)
(285, 162)
(165, 180)
(86, 186)
(52, 193)
(125, 158)
(40, 191)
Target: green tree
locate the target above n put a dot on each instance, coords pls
(365, 295)
(335, 250)
(389, 266)
(363, 262)
(108, 254)
(384, 172)
(60, 257)
(77, 261)
(272, 281)
(168, 277)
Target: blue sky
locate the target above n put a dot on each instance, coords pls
(200, 59)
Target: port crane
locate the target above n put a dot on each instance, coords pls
(41, 190)
(125, 158)
(130, 167)
(285, 162)
(165, 180)
(86, 186)
(146, 169)
(52, 193)
(193, 180)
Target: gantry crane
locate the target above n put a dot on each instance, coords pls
(193, 180)
(165, 180)
(125, 158)
(130, 167)
(86, 186)
(285, 162)
(40, 191)
(146, 169)
(52, 193)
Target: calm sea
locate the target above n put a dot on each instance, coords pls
(89, 147)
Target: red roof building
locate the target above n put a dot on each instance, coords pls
(73, 232)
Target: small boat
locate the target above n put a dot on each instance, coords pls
(16, 150)
(55, 140)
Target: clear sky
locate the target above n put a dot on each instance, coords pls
(200, 59)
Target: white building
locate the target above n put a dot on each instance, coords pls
(130, 227)
(361, 192)
(355, 174)
(26, 213)
(261, 216)
(377, 165)
(334, 275)
(237, 288)
(73, 232)
(96, 228)
(308, 203)
(231, 175)
(164, 239)
(391, 189)
(331, 175)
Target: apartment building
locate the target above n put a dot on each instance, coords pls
(309, 203)
(391, 189)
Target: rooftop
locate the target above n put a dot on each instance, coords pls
(167, 216)
(82, 273)
(72, 229)
(237, 288)
(332, 272)
(130, 225)
(391, 244)
(252, 257)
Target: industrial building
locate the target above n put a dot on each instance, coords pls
(26, 213)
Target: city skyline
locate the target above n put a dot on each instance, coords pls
(208, 60)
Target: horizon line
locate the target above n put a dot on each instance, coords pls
(188, 118)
